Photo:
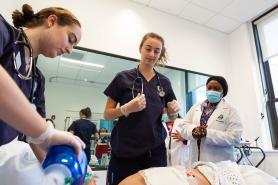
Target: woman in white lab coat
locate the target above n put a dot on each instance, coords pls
(213, 126)
(177, 147)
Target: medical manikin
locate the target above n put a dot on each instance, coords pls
(202, 173)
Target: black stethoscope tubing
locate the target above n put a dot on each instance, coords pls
(32, 73)
(160, 89)
(20, 41)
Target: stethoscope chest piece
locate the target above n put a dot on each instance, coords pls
(160, 91)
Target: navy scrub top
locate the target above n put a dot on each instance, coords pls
(142, 131)
(84, 129)
(7, 47)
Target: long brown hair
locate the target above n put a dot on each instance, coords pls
(27, 18)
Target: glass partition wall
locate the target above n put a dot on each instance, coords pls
(196, 88)
(77, 81)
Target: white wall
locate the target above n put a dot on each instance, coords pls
(245, 84)
(241, 79)
(6, 11)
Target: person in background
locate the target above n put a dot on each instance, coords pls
(103, 130)
(213, 127)
(84, 129)
(51, 32)
(137, 139)
(53, 117)
(104, 136)
(177, 147)
(51, 120)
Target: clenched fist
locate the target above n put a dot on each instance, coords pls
(173, 109)
(199, 132)
(135, 105)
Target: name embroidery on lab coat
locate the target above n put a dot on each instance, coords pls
(220, 118)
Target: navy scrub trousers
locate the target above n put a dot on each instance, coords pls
(120, 168)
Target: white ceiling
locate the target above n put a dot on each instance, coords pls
(57, 71)
(221, 15)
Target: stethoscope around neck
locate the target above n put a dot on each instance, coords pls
(160, 90)
(22, 40)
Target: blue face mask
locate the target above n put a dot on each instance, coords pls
(165, 118)
(214, 96)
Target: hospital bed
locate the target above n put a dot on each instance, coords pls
(245, 154)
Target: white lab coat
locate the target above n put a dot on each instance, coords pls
(178, 151)
(223, 133)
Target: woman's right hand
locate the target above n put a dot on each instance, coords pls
(56, 137)
(66, 138)
(135, 105)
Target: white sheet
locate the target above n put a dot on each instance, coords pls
(19, 166)
(165, 176)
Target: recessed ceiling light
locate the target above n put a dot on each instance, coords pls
(81, 62)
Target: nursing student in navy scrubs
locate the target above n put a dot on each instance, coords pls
(137, 139)
(84, 129)
(50, 32)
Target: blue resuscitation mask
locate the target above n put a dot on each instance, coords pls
(62, 160)
(165, 118)
(214, 96)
